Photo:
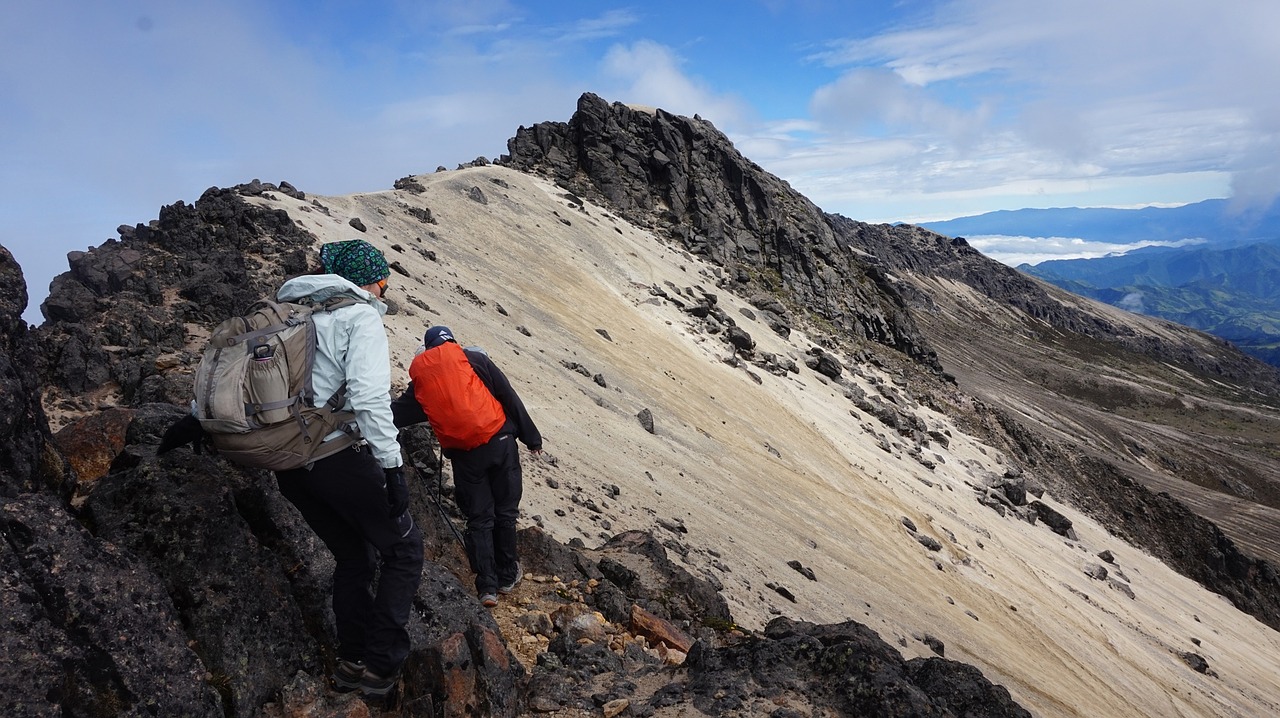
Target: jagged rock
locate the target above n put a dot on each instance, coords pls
(843, 668)
(1015, 488)
(467, 672)
(740, 339)
(1095, 571)
(409, 184)
(218, 254)
(29, 458)
(357, 225)
(576, 367)
(307, 697)
(782, 591)
(928, 542)
(824, 363)
(1196, 661)
(615, 707)
(477, 195)
(661, 586)
(1058, 523)
(655, 167)
(656, 629)
(88, 630)
(291, 191)
(1121, 586)
(646, 420)
(934, 643)
(192, 520)
(536, 623)
(92, 443)
(673, 525)
(804, 570)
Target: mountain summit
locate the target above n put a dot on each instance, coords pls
(796, 464)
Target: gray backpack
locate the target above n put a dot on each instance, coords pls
(253, 389)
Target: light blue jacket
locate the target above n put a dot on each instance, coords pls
(351, 346)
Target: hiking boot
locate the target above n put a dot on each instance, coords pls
(347, 675)
(514, 582)
(376, 686)
(489, 600)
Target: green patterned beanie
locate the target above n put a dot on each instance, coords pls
(355, 260)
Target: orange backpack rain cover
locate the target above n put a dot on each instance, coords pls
(462, 411)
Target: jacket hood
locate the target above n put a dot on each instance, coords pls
(320, 287)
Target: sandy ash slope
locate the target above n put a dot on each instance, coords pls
(751, 469)
(1209, 443)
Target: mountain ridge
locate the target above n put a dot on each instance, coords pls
(1215, 221)
(1229, 292)
(941, 484)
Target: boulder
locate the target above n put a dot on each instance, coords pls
(89, 629)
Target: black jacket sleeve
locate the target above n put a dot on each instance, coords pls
(405, 409)
(517, 417)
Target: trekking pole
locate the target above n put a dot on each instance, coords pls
(437, 497)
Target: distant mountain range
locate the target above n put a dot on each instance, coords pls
(1227, 285)
(1215, 220)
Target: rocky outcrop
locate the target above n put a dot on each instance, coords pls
(843, 667)
(846, 668)
(88, 630)
(683, 177)
(29, 460)
(195, 264)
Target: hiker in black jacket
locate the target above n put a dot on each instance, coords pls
(477, 417)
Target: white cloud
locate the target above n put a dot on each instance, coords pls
(1013, 251)
(994, 93)
(1133, 302)
(648, 73)
(610, 24)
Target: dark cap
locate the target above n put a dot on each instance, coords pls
(436, 336)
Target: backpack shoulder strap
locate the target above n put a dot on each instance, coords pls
(335, 302)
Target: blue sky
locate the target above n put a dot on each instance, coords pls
(912, 110)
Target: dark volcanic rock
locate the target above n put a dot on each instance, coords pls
(192, 520)
(88, 630)
(684, 176)
(92, 443)
(29, 460)
(197, 263)
(251, 582)
(656, 583)
(845, 668)
(1053, 519)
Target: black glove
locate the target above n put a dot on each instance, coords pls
(397, 491)
(186, 430)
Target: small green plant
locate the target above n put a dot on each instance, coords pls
(721, 625)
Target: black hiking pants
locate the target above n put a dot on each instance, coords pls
(487, 486)
(344, 500)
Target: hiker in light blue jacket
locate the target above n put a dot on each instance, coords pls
(356, 500)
